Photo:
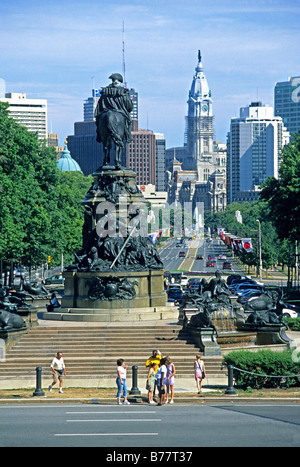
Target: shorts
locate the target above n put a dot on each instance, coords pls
(57, 377)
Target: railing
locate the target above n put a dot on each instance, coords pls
(230, 388)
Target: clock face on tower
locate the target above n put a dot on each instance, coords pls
(204, 108)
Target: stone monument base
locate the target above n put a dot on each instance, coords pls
(121, 315)
(121, 296)
(204, 339)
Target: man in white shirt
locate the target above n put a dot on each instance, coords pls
(59, 371)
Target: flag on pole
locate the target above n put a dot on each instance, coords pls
(247, 244)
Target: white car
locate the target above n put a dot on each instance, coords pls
(184, 281)
(289, 313)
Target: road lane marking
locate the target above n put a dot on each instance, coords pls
(105, 434)
(118, 420)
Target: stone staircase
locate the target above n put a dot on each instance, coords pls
(91, 352)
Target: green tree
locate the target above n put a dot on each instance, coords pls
(40, 207)
(283, 194)
(28, 177)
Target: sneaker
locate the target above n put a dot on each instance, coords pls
(61, 391)
(152, 402)
(50, 388)
(126, 403)
(171, 402)
(119, 402)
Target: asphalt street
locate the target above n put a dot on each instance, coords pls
(223, 424)
(193, 248)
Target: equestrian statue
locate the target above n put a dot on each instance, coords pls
(113, 120)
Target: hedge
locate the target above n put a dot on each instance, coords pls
(263, 362)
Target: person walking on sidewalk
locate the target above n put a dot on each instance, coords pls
(59, 371)
(199, 369)
(121, 381)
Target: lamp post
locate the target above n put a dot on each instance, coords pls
(259, 245)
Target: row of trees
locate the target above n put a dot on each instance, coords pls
(40, 211)
(278, 210)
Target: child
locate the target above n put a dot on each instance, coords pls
(161, 381)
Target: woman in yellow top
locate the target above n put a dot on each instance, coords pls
(155, 358)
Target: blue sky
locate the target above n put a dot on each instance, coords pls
(53, 49)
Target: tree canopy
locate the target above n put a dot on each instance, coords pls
(40, 211)
(283, 194)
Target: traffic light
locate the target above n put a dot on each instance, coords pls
(49, 259)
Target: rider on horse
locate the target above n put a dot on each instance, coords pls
(114, 98)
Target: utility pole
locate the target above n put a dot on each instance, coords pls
(259, 245)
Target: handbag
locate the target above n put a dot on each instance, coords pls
(148, 387)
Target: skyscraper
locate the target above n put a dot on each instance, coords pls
(254, 144)
(287, 103)
(31, 113)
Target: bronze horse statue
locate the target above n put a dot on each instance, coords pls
(113, 119)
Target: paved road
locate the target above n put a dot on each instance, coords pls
(183, 425)
(172, 262)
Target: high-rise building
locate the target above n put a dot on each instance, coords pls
(31, 113)
(141, 155)
(287, 103)
(160, 149)
(253, 151)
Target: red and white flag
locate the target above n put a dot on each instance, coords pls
(247, 244)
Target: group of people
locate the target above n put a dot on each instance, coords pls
(161, 375)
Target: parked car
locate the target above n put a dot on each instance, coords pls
(182, 254)
(241, 289)
(184, 281)
(227, 265)
(175, 294)
(210, 264)
(222, 257)
(248, 296)
(55, 279)
(199, 257)
(211, 257)
(233, 286)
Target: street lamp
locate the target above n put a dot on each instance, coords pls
(259, 244)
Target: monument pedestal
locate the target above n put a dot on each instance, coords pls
(144, 299)
(204, 338)
(117, 275)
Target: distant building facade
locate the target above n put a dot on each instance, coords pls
(287, 103)
(31, 113)
(253, 151)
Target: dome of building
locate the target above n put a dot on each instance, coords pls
(66, 163)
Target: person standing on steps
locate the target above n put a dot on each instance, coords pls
(121, 381)
(59, 371)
